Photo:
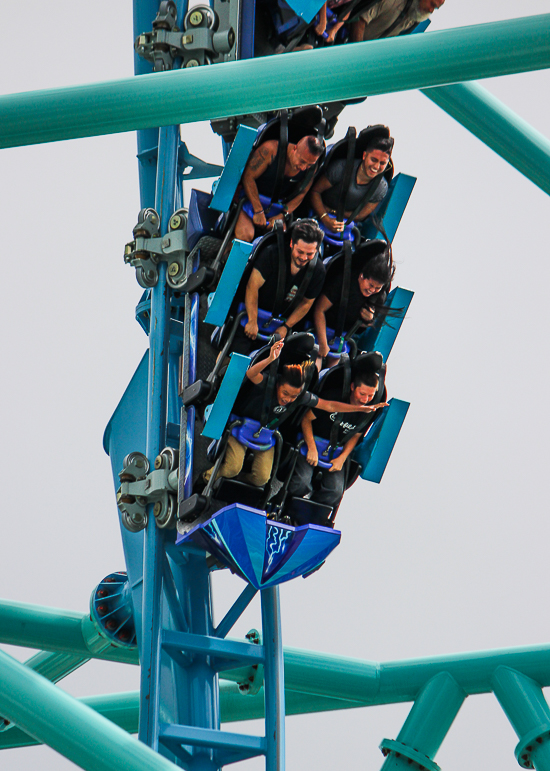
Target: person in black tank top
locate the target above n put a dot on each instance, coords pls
(260, 176)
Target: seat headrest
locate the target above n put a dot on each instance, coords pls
(339, 150)
(298, 347)
(365, 251)
(302, 122)
(367, 363)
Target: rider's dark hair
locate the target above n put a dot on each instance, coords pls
(315, 146)
(366, 378)
(307, 231)
(385, 144)
(295, 375)
(379, 268)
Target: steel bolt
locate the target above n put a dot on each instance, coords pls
(195, 18)
(192, 63)
(173, 269)
(158, 462)
(157, 508)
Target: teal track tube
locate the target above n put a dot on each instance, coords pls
(426, 726)
(67, 725)
(123, 710)
(522, 700)
(270, 83)
(307, 672)
(65, 631)
(498, 127)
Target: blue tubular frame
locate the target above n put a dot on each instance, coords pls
(159, 344)
(274, 684)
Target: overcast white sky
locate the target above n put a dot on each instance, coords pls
(448, 553)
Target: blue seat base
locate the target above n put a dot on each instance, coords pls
(263, 552)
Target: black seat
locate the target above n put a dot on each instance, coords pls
(304, 512)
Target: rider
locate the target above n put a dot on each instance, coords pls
(260, 178)
(304, 275)
(363, 301)
(367, 187)
(341, 434)
(388, 18)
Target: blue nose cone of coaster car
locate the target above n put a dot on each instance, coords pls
(261, 551)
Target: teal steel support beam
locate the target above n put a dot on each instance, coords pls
(54, 667)
(270, 83)
(51, 716)
(426, 726)
(53, 629)
(123, 710)
(522, 700)
(307, 672)
(498, 127)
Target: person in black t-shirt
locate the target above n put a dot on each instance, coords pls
(341, 433)
(369, 285)
(288, 394)
(304, 276)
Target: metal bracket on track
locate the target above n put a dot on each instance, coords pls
(200, 42)
(148, 248)
(139, 487)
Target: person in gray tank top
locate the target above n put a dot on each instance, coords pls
(367, 186)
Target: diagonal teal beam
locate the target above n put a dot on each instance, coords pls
(123, 710)
(69, 726)
(499, 127)
(275, 82)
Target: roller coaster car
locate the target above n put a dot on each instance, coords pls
(298, 348)
(335, 383)
(287, 126)
(231, 521)
(268, 321)
(350, 149)
(279, 29)
(349, 263)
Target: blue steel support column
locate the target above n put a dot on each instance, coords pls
(274, 680)
(153, 560)
(202, 693)
(426, 726)
(147, 139)
(498, 127)
(527, 710)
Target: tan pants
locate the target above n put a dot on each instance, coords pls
(262, 464)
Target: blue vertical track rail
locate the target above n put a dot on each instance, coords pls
(159, 331)
(181, 651)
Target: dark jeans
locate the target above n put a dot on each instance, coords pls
(332, 483)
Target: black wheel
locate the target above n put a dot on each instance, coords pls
(209, 247)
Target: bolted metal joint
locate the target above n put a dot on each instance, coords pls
(139, 487)
(148, 248)
(161, 45)
(200, 43)
(255, 680)
(412, 758)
